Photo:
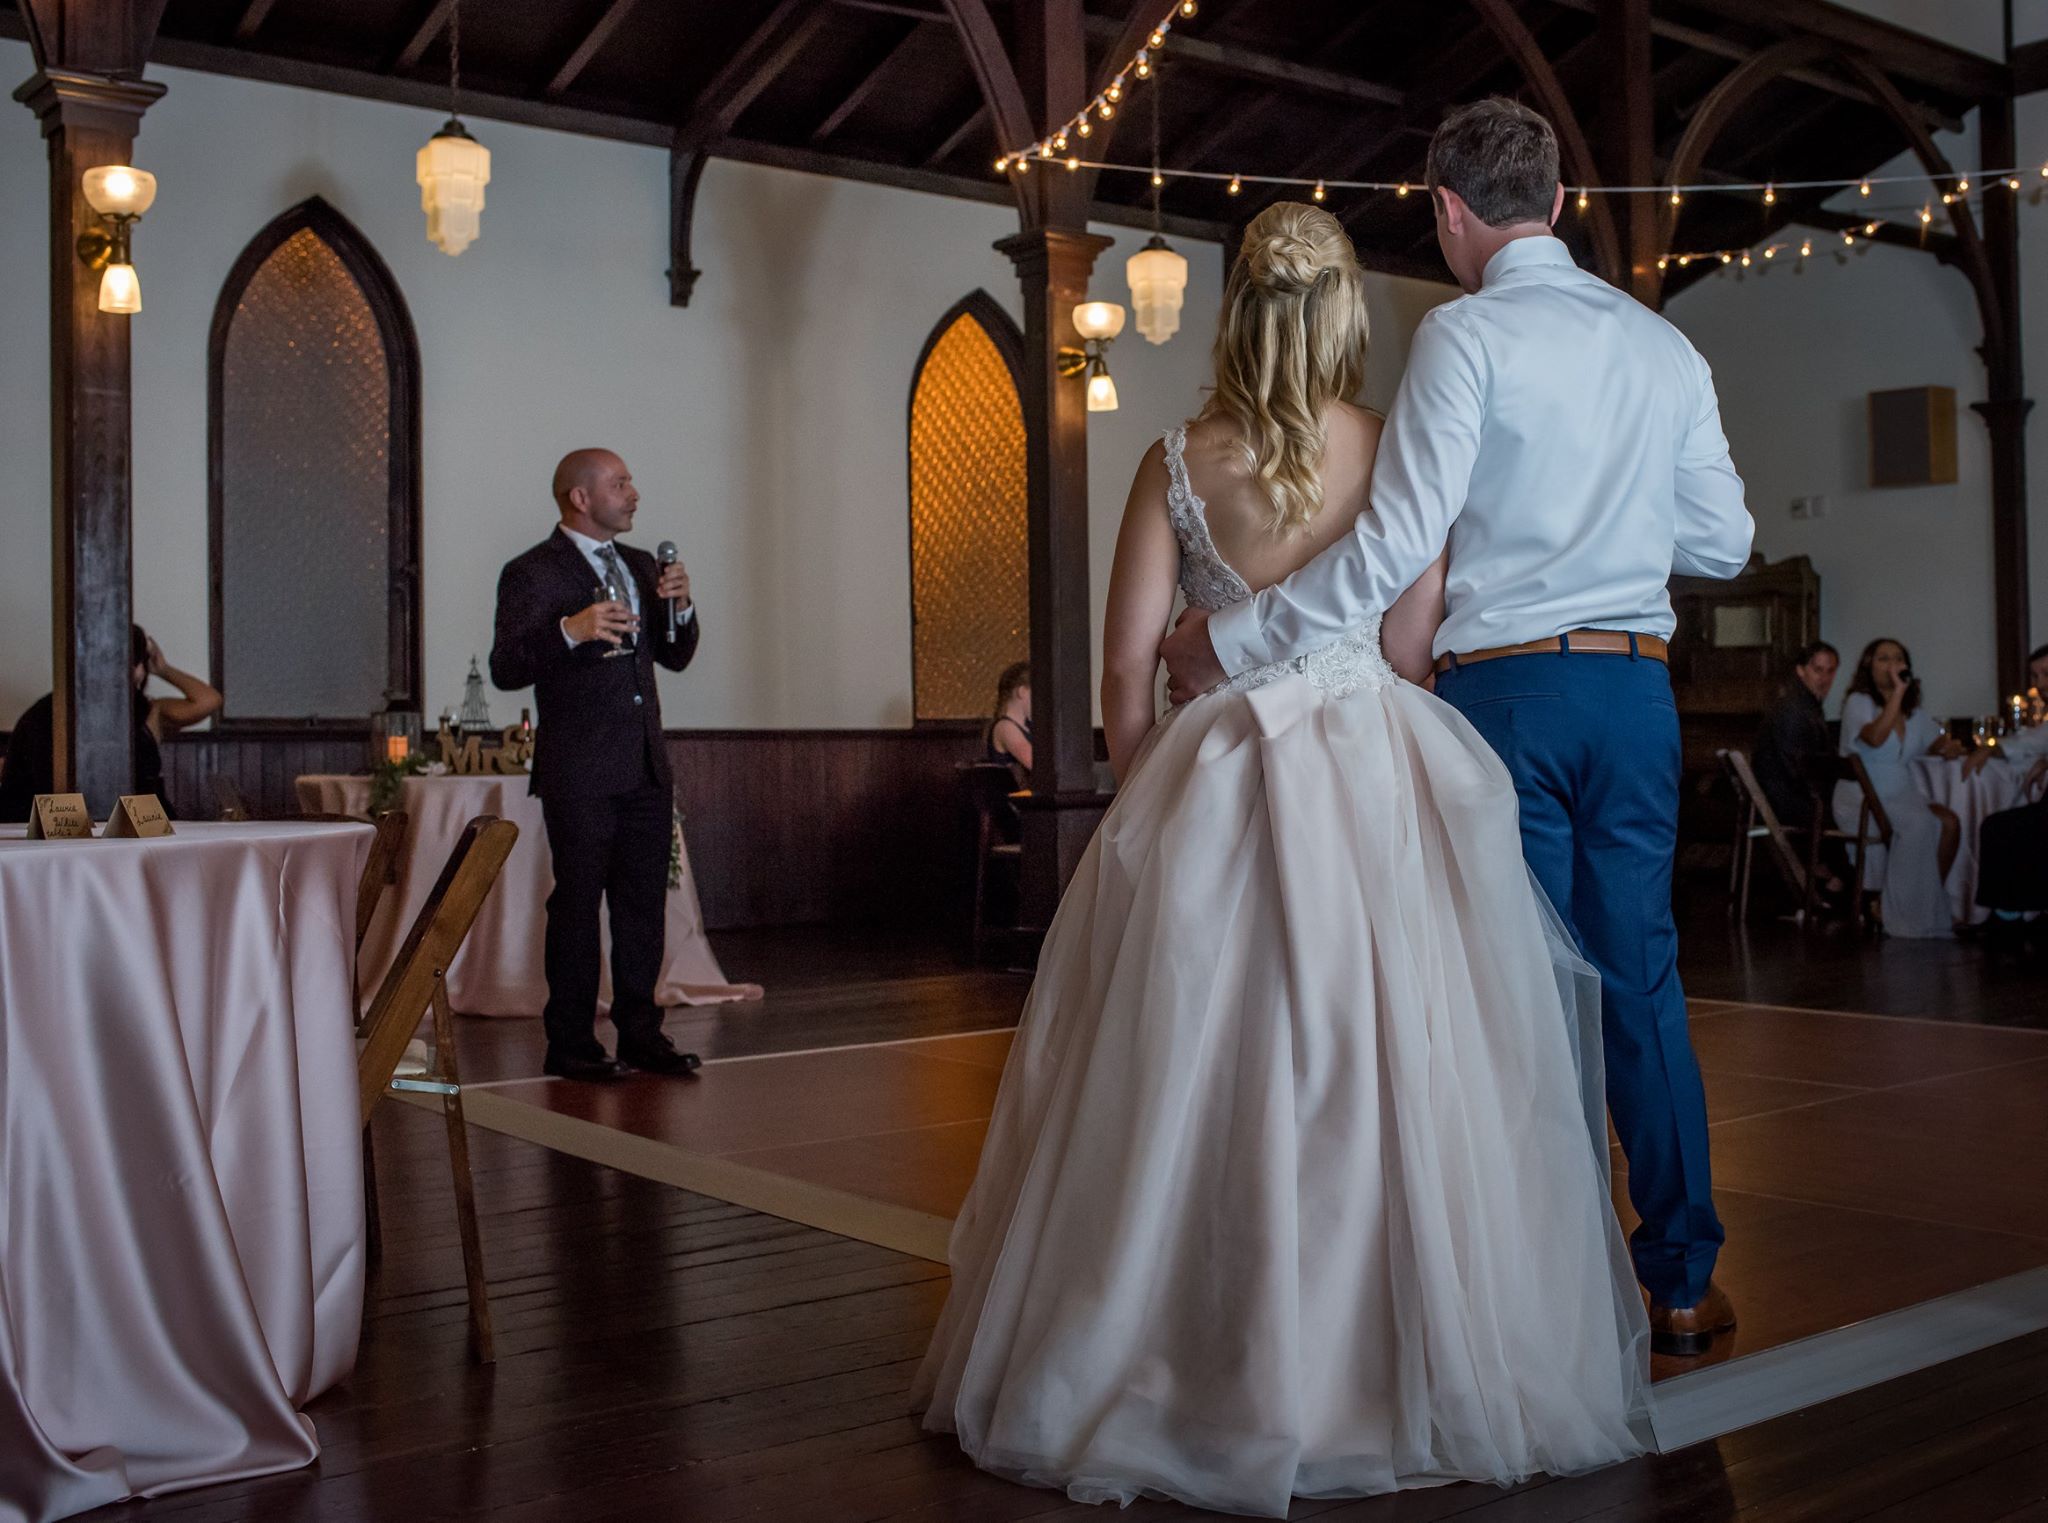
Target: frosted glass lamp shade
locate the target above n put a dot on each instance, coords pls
(1159, 278)
(116, 190)
(1098, 319)
(453, 169)
(1101, 389)
(120, 291)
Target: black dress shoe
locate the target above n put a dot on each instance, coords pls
(585, 1070)
(659, 1056)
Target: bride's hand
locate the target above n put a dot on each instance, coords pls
(1191, 664)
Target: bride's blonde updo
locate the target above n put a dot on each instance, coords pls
(1291, 342)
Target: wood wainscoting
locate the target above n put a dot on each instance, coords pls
(786, 827)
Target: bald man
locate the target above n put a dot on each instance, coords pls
(600, 766)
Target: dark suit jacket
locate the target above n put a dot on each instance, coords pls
(1794, 737)
(31, 765)
(597, 721)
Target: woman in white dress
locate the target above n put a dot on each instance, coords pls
(1293, 1186)
(1882, 723)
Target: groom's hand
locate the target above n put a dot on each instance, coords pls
(1191, 664)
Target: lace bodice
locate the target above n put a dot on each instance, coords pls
(1207, 581)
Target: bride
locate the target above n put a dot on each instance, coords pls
(1297, 1181)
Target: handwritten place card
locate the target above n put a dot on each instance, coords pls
(60, 817)
(138, 816)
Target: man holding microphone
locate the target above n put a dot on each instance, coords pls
(581, 620)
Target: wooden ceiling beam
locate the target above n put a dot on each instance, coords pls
(594, 39)
(755, 65)
(431, 26)
(253, 16)
(858, 96)
(1736, 52)
(1904, 55)
(1259, 68)
(957, 137)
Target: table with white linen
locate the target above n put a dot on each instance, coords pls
(502, 969)
(181, 1168)
(1996, 786)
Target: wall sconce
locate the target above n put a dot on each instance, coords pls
(1098, 323)
(121, 195)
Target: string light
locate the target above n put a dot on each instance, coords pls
(1863, 189)
(1319, 192)
(1963, 186)
(1401, 189)
(1158, 179)
(1770, 195)
(1745, 259)
(1072, 162)
(1084, 128)
(1116, 90)
(2012, 182)
(1674, 198)
(1236, 185)
(1143, 64)
(1870, 229)
(1157, 39)
(1583, 201)
(1805, 248)
(1187, 8)
(1769, 253)
(1143, 67)
(1663, 260)
(1926, 215)
(1060, 142)
(1106, 110)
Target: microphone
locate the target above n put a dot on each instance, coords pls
(665, 553)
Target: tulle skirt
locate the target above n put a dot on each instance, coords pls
(1297, 1180)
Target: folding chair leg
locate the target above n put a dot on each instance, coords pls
(465, 1187)
(371, 1217)
(1748, 869)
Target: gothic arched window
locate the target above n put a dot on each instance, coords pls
(313, 423)
(969, 563)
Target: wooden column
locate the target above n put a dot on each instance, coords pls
(1054, 264)
(2006, 406)
(88, 119)
(1628, 147)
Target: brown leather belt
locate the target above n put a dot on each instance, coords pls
(1579, 642)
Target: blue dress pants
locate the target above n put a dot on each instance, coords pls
(1592, 742)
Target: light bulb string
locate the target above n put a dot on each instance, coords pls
(1972, 182)
(1103, 104)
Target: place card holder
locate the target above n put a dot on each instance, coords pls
(60, 817)
(138, 817)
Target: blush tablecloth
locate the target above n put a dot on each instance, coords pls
(1998, 785)
(501, 969)
(181, 1172)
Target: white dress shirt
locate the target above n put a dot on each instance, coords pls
(1567, 443)
(590, 547)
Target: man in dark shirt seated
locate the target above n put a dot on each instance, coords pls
(1795, 737)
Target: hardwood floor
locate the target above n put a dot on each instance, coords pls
(662, 1355)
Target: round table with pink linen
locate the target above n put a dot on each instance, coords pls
(501, 969)
(181, 1166)
(1996, 786)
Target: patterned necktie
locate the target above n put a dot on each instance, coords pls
(615, 573)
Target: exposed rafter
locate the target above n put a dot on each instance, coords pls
(430, 27)
(594, 39)
(253, 16)
(1903, 55)
(1260, 68)
(975, 122)
(857, 97)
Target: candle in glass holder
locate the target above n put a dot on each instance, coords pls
(395, 748)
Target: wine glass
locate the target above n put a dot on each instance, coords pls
(612, 592)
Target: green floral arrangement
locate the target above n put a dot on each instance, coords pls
(675, 849)
(387, 778)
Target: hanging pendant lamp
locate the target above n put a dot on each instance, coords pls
(453, 168)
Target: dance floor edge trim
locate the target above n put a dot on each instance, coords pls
(883, 1223)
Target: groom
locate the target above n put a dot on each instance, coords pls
(1566, 443)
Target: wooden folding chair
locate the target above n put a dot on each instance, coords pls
(1756, 820)
(380, 870)
(989, 786)
(388, 1058)
(1873, 825)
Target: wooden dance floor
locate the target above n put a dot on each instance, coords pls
(1864, 1163)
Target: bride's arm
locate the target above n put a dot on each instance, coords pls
(1408, 633)
(1141, 588)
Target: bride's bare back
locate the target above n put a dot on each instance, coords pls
(1240, 513)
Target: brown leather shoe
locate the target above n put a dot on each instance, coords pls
(1686, 1332)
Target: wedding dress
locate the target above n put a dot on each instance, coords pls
(1297, 1180)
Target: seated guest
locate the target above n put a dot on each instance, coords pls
(31, 761)
(1795, 737)
(1009, 732)
(1883, 724)
(2037, 671)
(2012, 845)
